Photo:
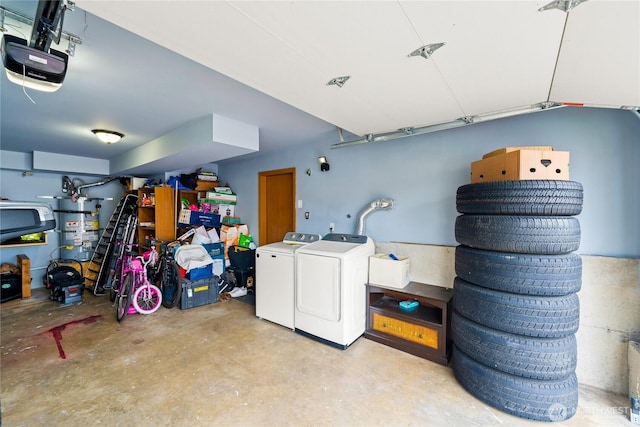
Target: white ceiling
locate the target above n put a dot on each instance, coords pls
(497, 55)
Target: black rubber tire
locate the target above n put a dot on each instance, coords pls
(112, 294)
(125, 297)
(532, 316)
(526, 197)
(115, 281)
(527, 357)
(540, 400)
(520, 234)
(527, 274)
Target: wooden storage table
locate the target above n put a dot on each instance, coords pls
(423, 332)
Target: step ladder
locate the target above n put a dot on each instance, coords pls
(117, 229)
(122, 245)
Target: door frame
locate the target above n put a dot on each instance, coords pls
(262, 199)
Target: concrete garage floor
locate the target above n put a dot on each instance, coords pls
(219, 365)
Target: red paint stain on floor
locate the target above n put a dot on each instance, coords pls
(56, 331)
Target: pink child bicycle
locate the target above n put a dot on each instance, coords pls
(134, 288)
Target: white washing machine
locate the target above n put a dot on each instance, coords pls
(331, 277)
(275, 272)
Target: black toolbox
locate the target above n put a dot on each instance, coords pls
(11, 287)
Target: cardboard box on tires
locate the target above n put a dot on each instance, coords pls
(505, 150)
(512, 163)
(199, 292)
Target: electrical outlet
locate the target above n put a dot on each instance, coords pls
(306, 215)
(331, 226)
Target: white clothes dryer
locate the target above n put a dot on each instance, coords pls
(275, 271)
(331, 278)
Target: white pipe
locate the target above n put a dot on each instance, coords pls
(372, 207)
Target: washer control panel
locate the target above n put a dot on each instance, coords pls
(293, 237)
(347, 238)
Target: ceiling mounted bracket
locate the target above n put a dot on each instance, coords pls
(72, 39)
(427, 50)
(338, 81)
(563, 5)
(462, 121)
(6, 13)
(400, 133)
(548, 104)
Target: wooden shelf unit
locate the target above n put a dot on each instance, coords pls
(163, 213)
(423, 332)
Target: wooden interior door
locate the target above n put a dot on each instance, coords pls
(276, 204)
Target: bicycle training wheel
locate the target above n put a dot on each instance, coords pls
(125, 296)
(147, 299)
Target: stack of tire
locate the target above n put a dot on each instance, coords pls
(516, 311)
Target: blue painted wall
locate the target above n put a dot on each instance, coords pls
(423, 172)
(15, 186)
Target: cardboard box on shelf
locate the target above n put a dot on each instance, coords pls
(137, 182)
(231, 220)
(224, 209)
(222, 197)
(521, 165)
(205, 185)
(221, 208)
(188, 217)
(208, 176)
(184, 217)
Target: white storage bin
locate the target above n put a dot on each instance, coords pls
(385, 271)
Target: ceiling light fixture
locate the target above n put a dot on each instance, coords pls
(338, 81)
(108, 136)
(426, 51)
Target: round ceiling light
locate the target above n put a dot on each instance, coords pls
(107, 136)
